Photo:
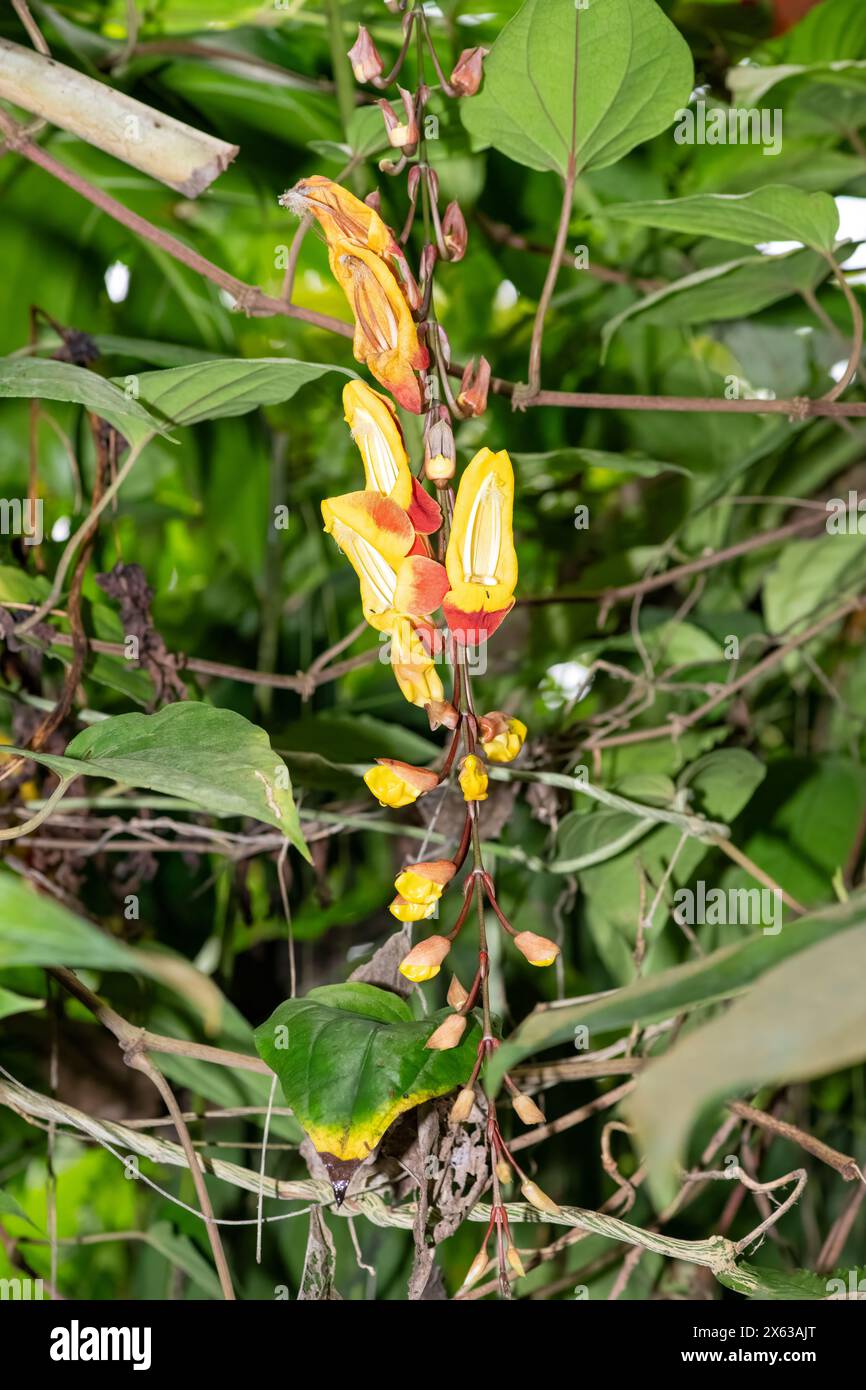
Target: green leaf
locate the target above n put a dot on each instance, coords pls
(12, 1003)
(716, 976)
(35, 930)
(777, 213)
(810, 573)
(721, 783)
(180, 1251)
(350, 1059)
(634, 71)
(773, 1284)
(227, 386)
(801, 1020)
(46, 380)
(736, 289)
(9, 1207)
(211, 757)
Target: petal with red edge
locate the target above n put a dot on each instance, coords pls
(425, 513)
(421, 586)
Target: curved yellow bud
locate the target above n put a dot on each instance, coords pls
(507, 742)
(473, 778)
(538, 950)
(425, 959)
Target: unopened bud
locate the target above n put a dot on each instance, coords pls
(457, 995)
(466, 77)
(364, 57)
(440, 459)
(413, 180)
(454, 232)
(476, 1269)
(475, 383)
(540, 1200)
(503, 1173)
(462, 1107)
(528, 1110)
(448, 1034)
(425, 959)
(402, 134)
(441, 712)
(374, 200)
(538, 950)
(515, 1261)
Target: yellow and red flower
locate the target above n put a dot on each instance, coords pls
(413, 666)
(341, 216)
(396, 784)
(386, 335)
(481, 560)
(377, 538)
(502, 736)
(377, 433)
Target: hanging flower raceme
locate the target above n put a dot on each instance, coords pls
(481, 560)
(368, 263)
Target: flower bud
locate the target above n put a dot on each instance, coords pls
(424, 960)
(538, 950)
(364, 57)
(462, 1107)
(406, 911)
(528, 1110)
(448, 1034)
(540, 1200)
(432, 182)
(466, 77)
(457, 995)
(474, 385)
(440, 458)
(476, 1269)
(503, 1173)
(515, 1261)
(402, 134)
(413, 181)
(473, 780)
(454, 232)
(423, 883)
(502, 736)
(396, 784)
(441, 712)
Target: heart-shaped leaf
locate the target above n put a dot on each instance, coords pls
(350, 1059)
(564, 81)
(212, 757)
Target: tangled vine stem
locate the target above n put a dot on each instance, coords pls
(716, 1253)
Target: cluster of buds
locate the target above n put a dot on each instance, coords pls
(368, 67)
